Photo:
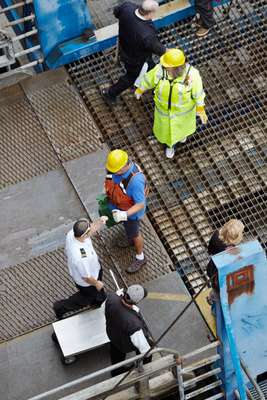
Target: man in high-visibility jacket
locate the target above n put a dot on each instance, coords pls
(126, 189)
(178, 96)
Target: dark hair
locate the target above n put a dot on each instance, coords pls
(80, 227)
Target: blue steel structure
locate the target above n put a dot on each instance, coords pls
(62, 23)
(241, 314)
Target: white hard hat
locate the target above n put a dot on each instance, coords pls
(136, 293)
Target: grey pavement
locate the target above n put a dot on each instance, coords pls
(35, 216)
(87, 175)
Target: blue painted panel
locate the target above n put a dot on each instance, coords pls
(243, 282)
(60, 20)
(227, 375)
(60, 36)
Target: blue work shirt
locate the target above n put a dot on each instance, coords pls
(135, 190)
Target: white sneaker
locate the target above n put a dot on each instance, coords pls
(169, 152)
(184, 140)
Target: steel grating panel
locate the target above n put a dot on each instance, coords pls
(28, 290)
(65, 120)
(25, 150)
(221, 171)
(158, 262)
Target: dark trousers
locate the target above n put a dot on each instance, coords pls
(86, 296)
(127, 80)
(205, 10)
(117, 356)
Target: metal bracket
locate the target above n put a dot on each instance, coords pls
(7, 53)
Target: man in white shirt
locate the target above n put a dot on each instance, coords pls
(84, 268)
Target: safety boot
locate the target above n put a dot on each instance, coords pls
(201, 32)
(136, 265)
(110, 100)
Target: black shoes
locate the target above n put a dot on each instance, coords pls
(110, 100)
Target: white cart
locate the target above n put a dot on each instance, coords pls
(80, 333)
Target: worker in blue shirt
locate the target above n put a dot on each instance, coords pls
(126, 190)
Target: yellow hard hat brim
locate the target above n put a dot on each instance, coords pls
(116, 169)
(113, 170)
(168, 65)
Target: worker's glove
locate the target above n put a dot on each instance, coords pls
(120, 292)
(135, 308)
(202, 114)
(138, 93)
(119, 216)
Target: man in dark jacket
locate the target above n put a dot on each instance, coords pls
(125, 327)
(137, 42)
(206, 19)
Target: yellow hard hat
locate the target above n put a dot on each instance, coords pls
(172, 58)
(116, 160)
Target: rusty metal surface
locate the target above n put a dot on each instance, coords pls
(221, 171)
(24, 150)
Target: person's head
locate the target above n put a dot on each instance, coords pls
(232, 232)
(148, 9)
(134, 294)
(174, 61)
(81, 229)
(117, 162)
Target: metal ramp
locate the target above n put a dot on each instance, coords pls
(220, 173)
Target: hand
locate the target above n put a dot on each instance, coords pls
(119, 215)
(99, 285)
(97, 225)
(104, 219)
(203, 116)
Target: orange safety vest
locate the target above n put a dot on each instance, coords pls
(116, 192)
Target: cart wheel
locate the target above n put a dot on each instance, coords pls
(68, 360)
(54, 338)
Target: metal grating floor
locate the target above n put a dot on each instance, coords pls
(221, 171)
(28, 290)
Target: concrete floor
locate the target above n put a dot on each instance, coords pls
(35, 216)
(31, 364)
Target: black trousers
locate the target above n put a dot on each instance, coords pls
(205, 10)
(117, 356)
(127, 80)
(86, 296)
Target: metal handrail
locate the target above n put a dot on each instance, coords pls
(252, 380)
(103, 371)
(87, 378)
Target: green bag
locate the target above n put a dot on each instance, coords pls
(104, 210)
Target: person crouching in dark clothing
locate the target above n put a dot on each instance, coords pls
(137, 42)
(230, 235)
(125, 327)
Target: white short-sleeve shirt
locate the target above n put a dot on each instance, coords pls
(82, 259)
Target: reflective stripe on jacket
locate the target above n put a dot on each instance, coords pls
(177, 95)
(175, 102)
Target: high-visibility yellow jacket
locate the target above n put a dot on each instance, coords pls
(175, 102)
